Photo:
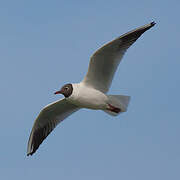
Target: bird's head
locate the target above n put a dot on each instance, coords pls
(66, 90)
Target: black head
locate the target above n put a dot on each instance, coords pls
(66, 90)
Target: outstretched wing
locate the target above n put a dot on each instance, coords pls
(47, 120)
(105, 60)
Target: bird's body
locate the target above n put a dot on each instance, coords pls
(91, 92)
(87, 97)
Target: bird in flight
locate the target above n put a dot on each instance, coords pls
(90, 92)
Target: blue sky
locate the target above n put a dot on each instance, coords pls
(45, 44)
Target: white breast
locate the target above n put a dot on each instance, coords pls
(86, 97)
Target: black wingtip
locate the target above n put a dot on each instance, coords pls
(30, 153)
(152, 23)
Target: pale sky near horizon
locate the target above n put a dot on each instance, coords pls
(45, 44)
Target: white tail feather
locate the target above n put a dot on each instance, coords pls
(118, 101)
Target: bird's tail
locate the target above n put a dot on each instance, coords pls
(117, 104)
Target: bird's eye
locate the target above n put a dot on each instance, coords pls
(66, 88)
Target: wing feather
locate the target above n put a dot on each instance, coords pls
(47, 120)
(104, 61)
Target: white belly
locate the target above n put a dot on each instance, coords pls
(86, 97)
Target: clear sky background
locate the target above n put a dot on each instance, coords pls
(44, 44)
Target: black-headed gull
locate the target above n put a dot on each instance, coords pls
(90, 92)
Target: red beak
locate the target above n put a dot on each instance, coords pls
(58, 92)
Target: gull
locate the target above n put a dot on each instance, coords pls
(91, 92)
